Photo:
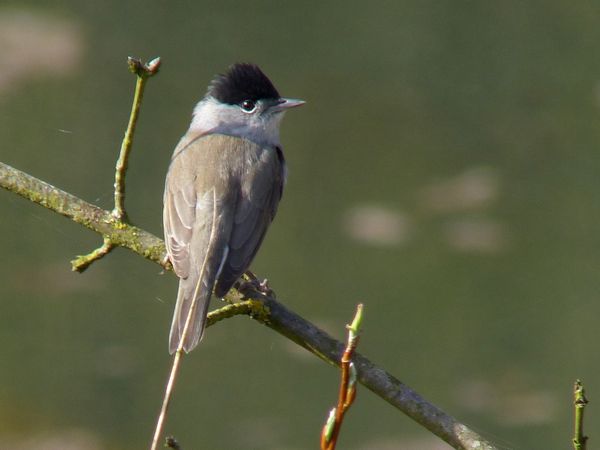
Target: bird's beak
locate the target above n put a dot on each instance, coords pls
(286, 103)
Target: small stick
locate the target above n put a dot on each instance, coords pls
(579, 439)
(347, 394)
(167, 399)
(142, 72)
(82, 262)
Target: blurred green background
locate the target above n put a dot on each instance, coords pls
(444, 172)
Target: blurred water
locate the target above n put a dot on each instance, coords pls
(444, 172)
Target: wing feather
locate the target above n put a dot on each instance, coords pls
(179, 215)
(257, 203)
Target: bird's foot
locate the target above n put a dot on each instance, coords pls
(251, 283)
(166, 264)
(264, 288)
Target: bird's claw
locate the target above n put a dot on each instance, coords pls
(251, 283)
(265, 288)
(166, 264)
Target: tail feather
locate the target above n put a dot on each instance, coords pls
(185, 299)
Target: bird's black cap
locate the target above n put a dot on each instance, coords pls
(241, 82)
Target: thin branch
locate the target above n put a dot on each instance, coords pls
(270, 312)
(142, 72)
(580, 402)
(347, 393)
(82, 262)
(382, 383)
(160, 423)
(96, 219)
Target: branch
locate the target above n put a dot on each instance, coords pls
(579, 439)
(96, 219)
(142, 73)
(264, 308)
(347, 393)
(382, 383)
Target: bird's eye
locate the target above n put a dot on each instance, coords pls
(248, 106)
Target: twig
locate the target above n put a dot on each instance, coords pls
(347, 394)
(96, 219)
(166, 399)
(82, 262)
(579, 439)
(142, 72)
(286, 322)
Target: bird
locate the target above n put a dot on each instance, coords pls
(222, 190)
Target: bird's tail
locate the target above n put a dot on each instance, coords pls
(194, 295)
